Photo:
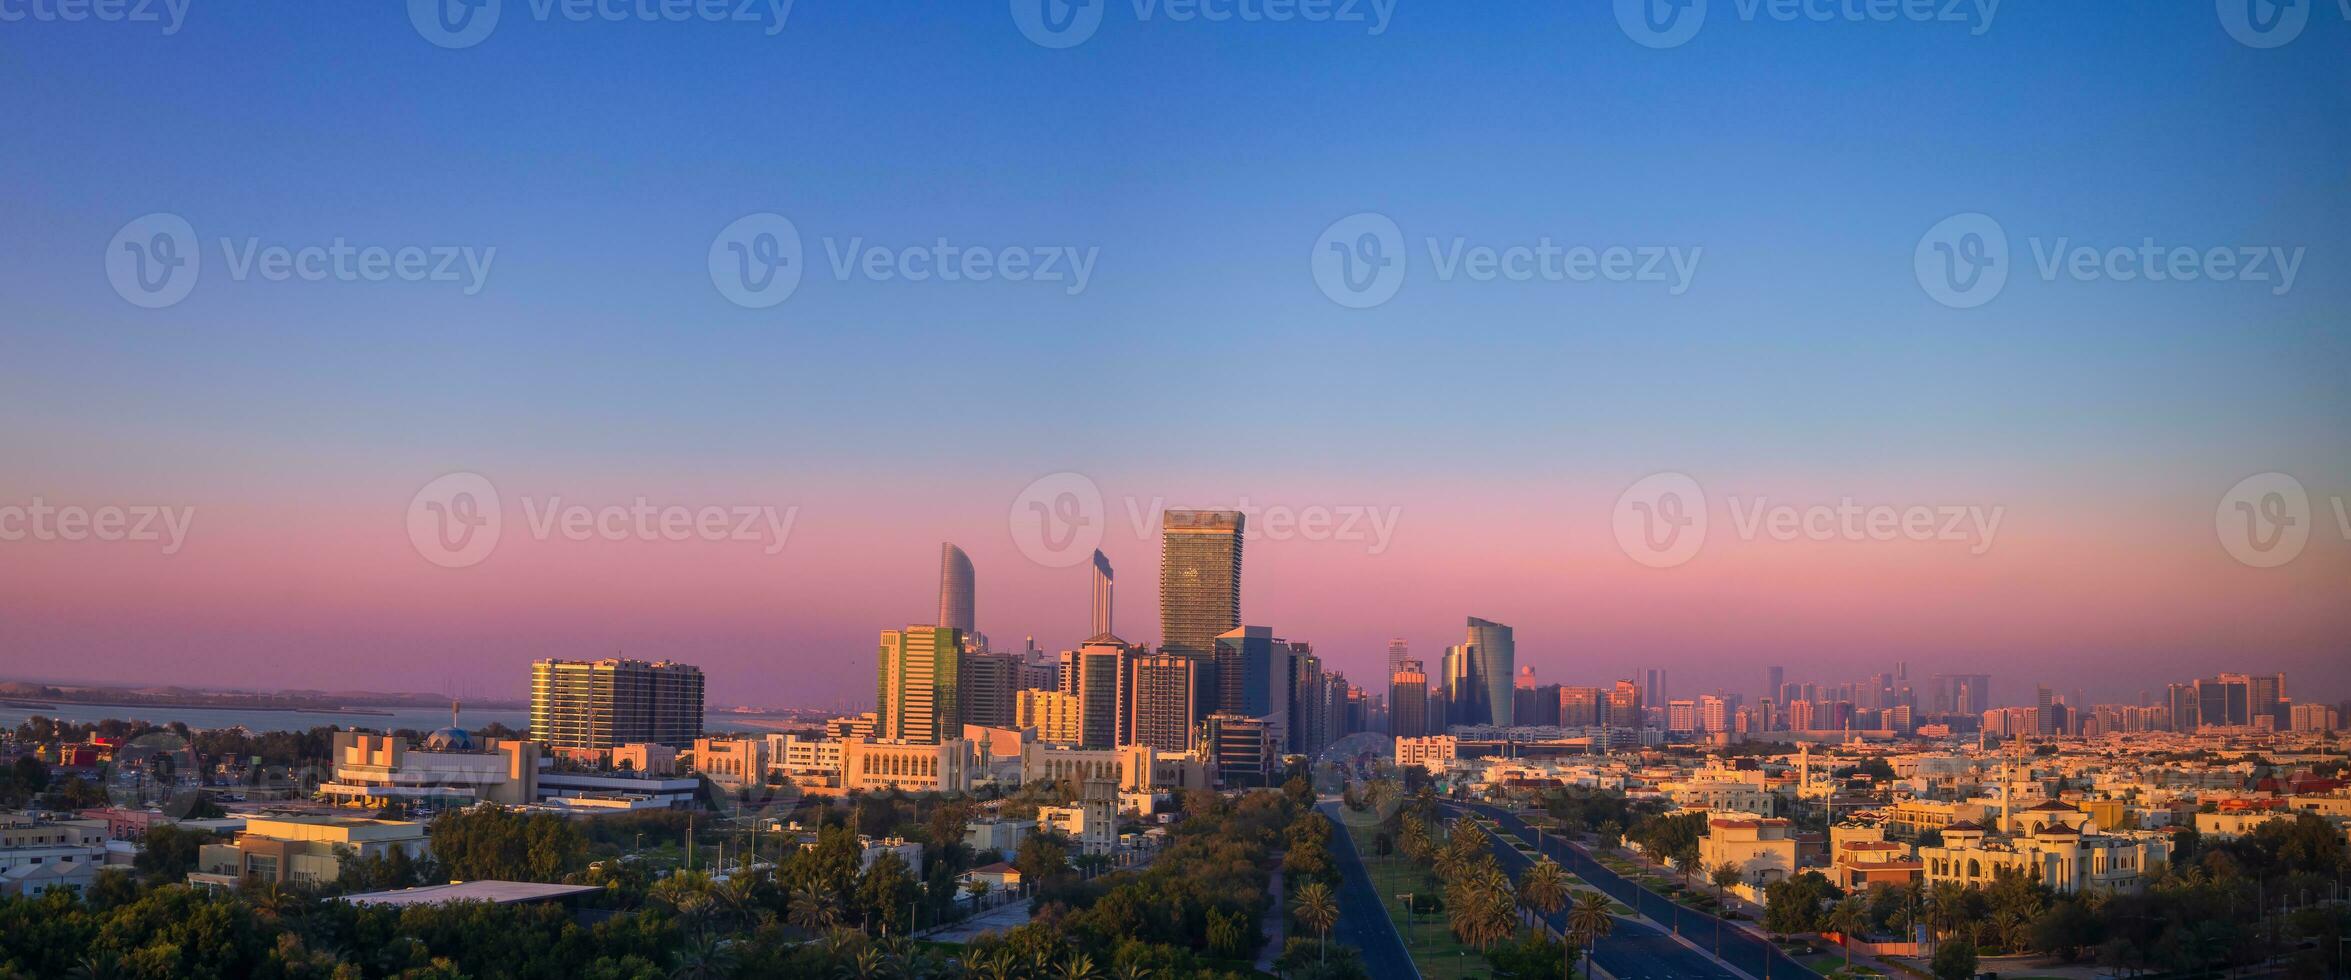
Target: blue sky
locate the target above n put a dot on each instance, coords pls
(1202, 160)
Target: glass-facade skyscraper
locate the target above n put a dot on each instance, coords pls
(956, 590)
(1199, 579)
(1493, 654)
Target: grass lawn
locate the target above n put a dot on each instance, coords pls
(1430, 942)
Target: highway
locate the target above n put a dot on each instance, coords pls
(1647, 951)
(1363, 921)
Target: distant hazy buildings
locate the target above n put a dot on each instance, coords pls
(956, 590)
(1199, 579)
(600, 704)
(918, 685)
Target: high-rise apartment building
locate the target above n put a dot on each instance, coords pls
(956, 590)
(1102, 595)
(1579, 707)
(1099, 678)
(1495, 654)
(986, 684)
(918, 694)
(1199, 579)
(1408, 701)
(1057, 716)
(601, 704)
(1681, 716)
(1166, 706)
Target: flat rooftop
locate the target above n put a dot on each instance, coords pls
(495, 892)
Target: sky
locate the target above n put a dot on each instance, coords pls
(1516, 310)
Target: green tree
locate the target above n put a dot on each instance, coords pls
(1848, 918)
(1955, 961)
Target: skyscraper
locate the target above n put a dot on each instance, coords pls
(1624, 706)
(986, 685)
(1653, 692)
(1253, 675)
(1495, 654)
(918, 693)
(1100, 683)
(955, 590)
(1398, 653)
(1166, 706)
(1579, 707)
(599, 704)
(1102, 595)
(1408, 701)
(1773, 677)
(1199, 579)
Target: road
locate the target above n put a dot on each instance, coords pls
(1363, 921)
(1647, 954)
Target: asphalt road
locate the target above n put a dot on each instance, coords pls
(1363, 921)
(1741, 949)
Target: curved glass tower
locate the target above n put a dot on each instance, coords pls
(1494, 658)
(955, 589)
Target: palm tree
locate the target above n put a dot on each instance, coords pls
(868, 964)
(813, 909)
(1078, 966)
(1543, 888)
(1847, 918)
(1589, 922)
(1946, 909)
(1318, 910)
(703, 957)
(1481, 907)
(1724, 876)
(100, 965)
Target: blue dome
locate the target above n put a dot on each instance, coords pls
(450, 739)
